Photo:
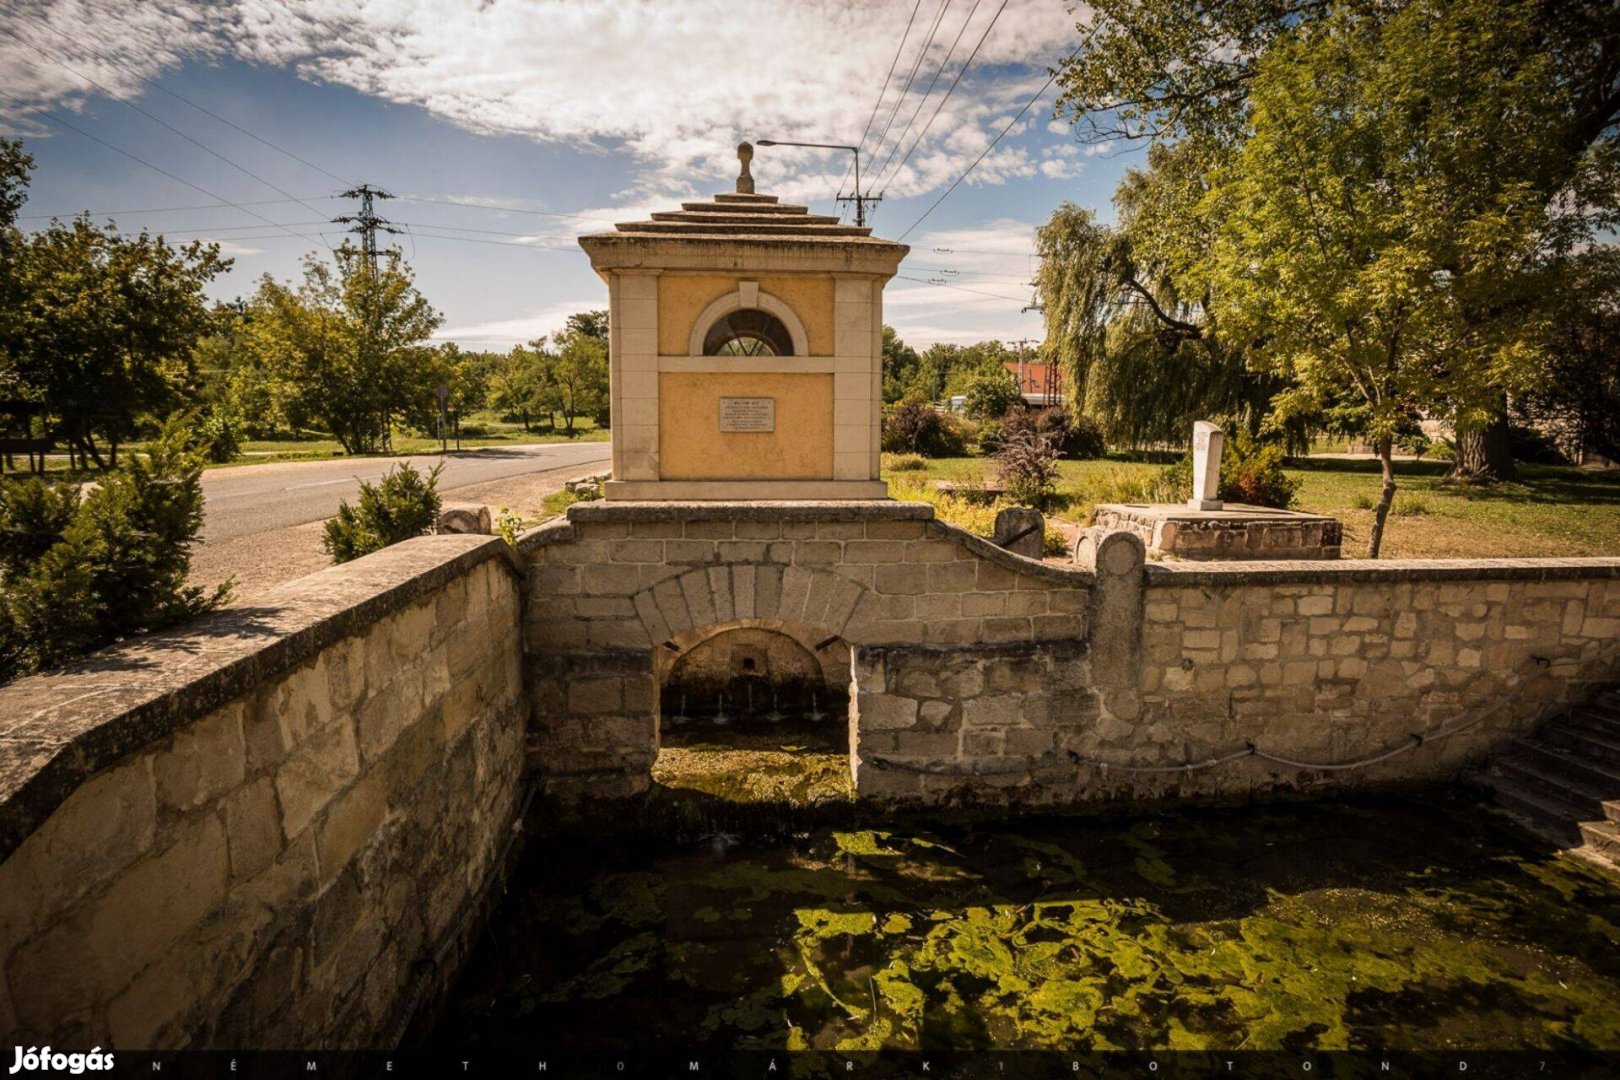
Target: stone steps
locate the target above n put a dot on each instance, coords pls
(1562, 783)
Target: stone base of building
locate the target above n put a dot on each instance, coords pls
(1234, 532)
(735, 490)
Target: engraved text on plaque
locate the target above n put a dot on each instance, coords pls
(747, 414)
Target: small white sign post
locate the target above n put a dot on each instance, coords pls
(1207, 440)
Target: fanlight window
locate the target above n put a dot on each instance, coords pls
(749, 332)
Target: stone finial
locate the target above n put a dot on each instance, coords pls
(1207, 440)
(745, 179)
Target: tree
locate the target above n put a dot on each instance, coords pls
(900, 366)
(520, 385)
(990, 393)
(352, 341)
(577, 377)
(1579, 394)
(15, 169)
(104, 329)
(1385, 224)
(1548, 77)
(591, 324)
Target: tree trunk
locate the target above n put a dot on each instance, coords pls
(1385, 498)
(1484, 455)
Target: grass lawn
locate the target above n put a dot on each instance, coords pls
(1550, 511)
(490, 428)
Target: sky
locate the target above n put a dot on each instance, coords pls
(506, 128)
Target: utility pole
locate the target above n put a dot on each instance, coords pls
(366, 223)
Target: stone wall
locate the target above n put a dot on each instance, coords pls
(981, 676)
(617, 592)
(1337, 661)
(271, 827)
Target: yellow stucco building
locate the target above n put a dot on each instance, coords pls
(746, 351)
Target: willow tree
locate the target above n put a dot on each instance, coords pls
(1128, 313)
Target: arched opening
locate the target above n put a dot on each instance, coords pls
(748, 332)
(749, 713)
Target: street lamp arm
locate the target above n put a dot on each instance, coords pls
(860, 203)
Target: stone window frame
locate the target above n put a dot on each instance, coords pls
(748, 294)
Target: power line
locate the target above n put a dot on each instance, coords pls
(949, 91)
(567, 240)
(922, 100)
(181, 98)
(960, 288)
(244, 170)
(503, 208)
(164, 172)
(898, 49)
(173, 209)
(1027, 106)
(910, 78)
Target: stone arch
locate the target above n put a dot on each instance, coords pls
(808, 603)
(748, 295)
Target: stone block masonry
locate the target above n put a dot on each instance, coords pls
(617, 592)
(268, 829)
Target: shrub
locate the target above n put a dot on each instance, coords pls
(1408, 505)
(905, 463)
(217, 436)
(78, 573)
(916, 427)
(1077, 438)
(1361, 501)
(1251, 473)
(991, 434)
(1027, 465)
(401, 505)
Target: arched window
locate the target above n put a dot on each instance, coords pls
(748, 332)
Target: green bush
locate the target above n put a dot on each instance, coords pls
(990, 436)
(403, 504)
(1251, 473)
(916, 427)
(79, 571)
(218, 436)
(905, 463)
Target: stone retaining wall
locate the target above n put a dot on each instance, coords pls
(268, 829)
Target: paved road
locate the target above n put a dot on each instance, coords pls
(250, 499)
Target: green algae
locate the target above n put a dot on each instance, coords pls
(1393, 924)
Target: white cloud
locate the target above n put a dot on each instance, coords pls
(675, 83)
(504, 333)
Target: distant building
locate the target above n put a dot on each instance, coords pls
(1040, 383)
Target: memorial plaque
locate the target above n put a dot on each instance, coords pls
(747, 414)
